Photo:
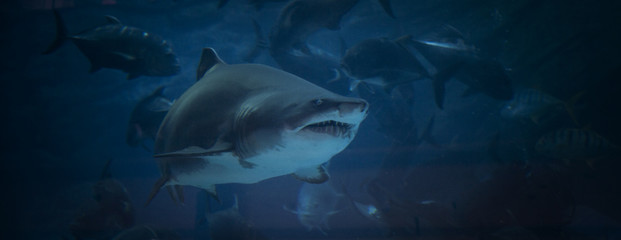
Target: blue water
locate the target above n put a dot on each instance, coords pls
(483, 179)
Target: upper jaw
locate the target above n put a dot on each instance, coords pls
(331, 124)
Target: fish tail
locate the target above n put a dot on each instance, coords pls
(61, 34)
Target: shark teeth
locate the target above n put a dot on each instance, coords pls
(330, 127)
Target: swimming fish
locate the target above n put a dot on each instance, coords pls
(537, 106)
(575, 144)
(244, 123)
(382, 62)
(146, 117)
(121, 47)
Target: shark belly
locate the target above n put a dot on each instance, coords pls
(225, 168)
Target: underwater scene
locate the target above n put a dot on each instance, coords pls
(311, 119)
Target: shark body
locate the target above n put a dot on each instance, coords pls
(245, 123)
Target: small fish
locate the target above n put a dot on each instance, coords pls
(301, 18)
(446, 55)
(111, 212)
(318, 66)
(370, 211)
(536, 105)
(316, 203)
(146, 118)
(382, 62)
(121, 47)
(575, 144)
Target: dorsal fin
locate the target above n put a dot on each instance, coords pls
(113, 20)
(209, 58)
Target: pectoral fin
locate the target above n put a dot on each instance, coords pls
(195, 151)
(156, 188)
(312, 174)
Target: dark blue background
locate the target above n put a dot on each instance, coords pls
(61, 124)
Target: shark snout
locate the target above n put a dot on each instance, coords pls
(356, 106)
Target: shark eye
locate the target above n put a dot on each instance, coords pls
(317, 102)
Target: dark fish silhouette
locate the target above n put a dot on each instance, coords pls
(122, 47)
(301, 18)
(447, 55)
(382, 62)
(110, 213)
(146, 118)
(319, 67)
(575, 144)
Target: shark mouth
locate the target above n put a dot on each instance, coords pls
(330, 127)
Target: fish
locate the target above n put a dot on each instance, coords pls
(108, 213)
(447, 55)
(318, 67)
(244, 123)
(369, 211)
(146, 118)
(382, 62)
(316, 203)
(538, 106)
(575, 144)
(117, 46)
(230, 224)
(301, 18)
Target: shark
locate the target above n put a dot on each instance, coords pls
(244, 123)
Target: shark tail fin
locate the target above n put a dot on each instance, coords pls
(209, 59)
(259, 45)
(61, 34)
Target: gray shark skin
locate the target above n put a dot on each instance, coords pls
(121, 47)
(245, 123)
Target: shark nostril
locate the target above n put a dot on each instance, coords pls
(364, 106)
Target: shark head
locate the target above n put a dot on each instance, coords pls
(312, 122)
